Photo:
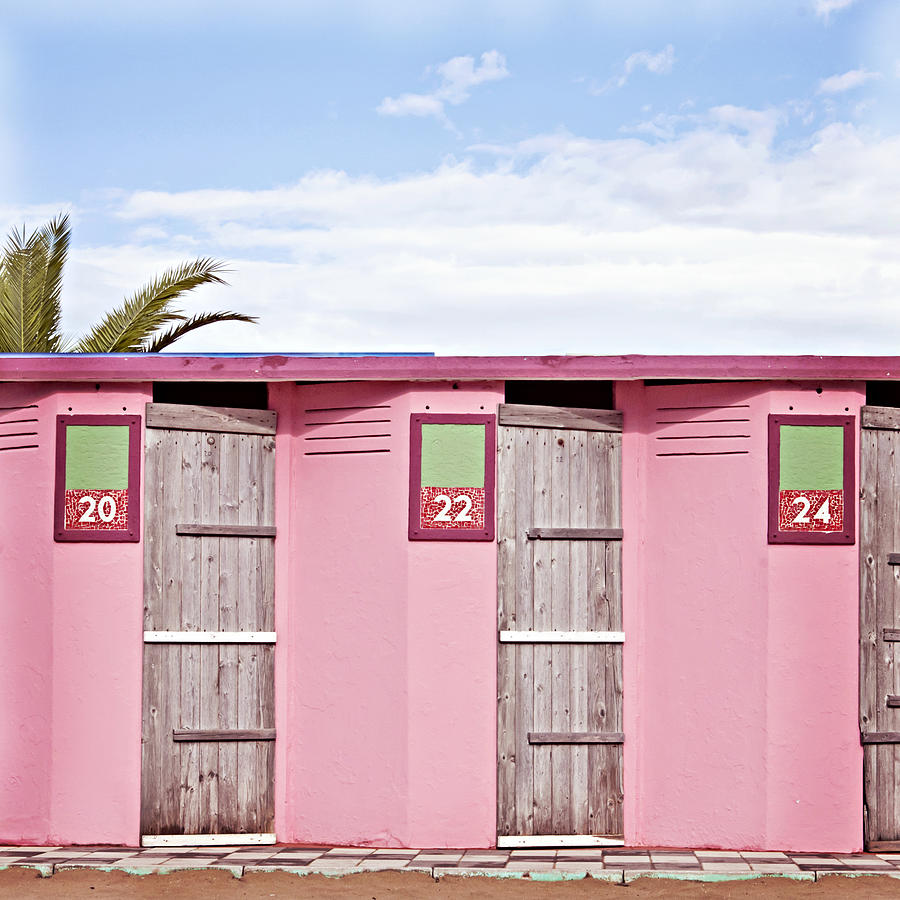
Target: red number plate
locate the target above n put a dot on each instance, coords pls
(97, 510)
(452, 508)
(810, 510)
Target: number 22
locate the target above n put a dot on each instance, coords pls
(464, 514)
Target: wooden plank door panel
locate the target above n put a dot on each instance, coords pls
(880, 613)
(208, 582)
(553, 483)
(879, 526)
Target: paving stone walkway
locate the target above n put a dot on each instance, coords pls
(620, 864)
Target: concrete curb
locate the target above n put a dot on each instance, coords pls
(631, 877)
(613, 875)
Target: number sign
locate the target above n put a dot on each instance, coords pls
(451, 480)
(811, 480)
(97, 478)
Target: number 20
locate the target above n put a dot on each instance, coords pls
(105, 508)
(464, 514)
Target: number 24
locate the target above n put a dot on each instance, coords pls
(823, 514)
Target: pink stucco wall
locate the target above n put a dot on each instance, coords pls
(740, 657)
(386, 672)
(70, 647)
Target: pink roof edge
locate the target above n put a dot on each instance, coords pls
(281, 367)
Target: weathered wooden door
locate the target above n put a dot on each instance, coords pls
(560, 618)
(879, 633)
(208, 709)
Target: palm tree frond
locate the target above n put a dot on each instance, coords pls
(31, 269)
(31, 272)
(54, 237)
(162, 341)
(127, 328)
(14, 302)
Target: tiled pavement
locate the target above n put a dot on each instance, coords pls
(620, 864)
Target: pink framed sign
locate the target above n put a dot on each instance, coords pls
(451, 477)
(98, 478)
(812, 496)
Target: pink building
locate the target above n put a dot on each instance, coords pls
(449, 602)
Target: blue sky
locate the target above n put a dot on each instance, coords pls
(490, 177)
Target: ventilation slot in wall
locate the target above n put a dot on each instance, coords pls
(703, 430)
(347, 430)
(18, 427)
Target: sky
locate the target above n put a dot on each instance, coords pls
(471, 178)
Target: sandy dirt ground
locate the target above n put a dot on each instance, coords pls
(207, 885)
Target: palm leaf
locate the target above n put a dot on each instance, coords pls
(177, 331)
(31, 270)
(127, 328)
(54, 237)
(17, 302)
(30, 279)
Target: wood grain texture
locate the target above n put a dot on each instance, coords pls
(880, 737)
(868, 634)
(880, 417)
(173, 794)
(177, 416)
(523, 601)
(879, 616)
(200, 586)
(556, 598)
(560, 612)
(224, 530)
(223, 734)
(229, 591)
(579, 496)
(541, 611)
(889, 657)
(191, 460)
(560, 417)
(506, 617)
(574, 534)
(576, 737)
(151, 726)
(209, 621)
(884, 846)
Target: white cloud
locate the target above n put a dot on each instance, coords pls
(712, 240)
(855, 78)
(825, 8)
(658, 63)
(458, 76)
(412, 105)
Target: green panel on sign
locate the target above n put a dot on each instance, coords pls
(97, 457)
(812, 458)
(453, 455)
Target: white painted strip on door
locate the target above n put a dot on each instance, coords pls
(205, 840)
(557, 840)
(209, 637)
(562, 637)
